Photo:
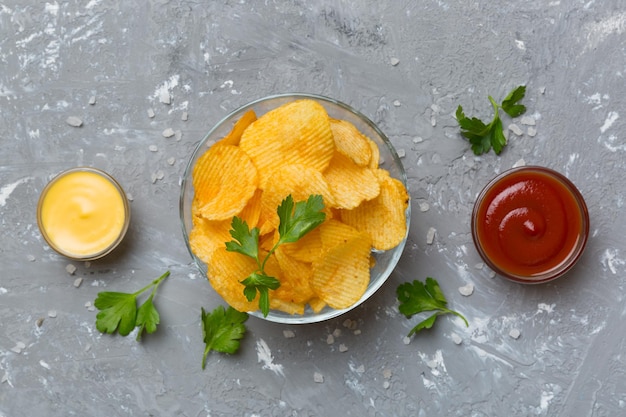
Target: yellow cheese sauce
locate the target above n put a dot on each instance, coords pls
(83, 213)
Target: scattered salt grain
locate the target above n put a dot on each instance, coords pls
(519, 163)
(19, 346)
(165, 97)
(357, 332)
(360, 369)
(401, 153)
(52, 313)
(92, 100)
(542, 90)
(424, 207)
(5, 378)
(31, 258)
(406, 340)
(185, 116)
(528, 121)
(337, 332)
(151, 113)
(456, 339)
(289, 334)
(88, 304)
(129, 196)
(516, 129)
(479, 265)
(44, 364)
(179, 135)
(418, 139)
(515, 333)
(430, 235)
(153, 148)
(492, 274)
(74, 121)
(343, 348)
(168, 133)
(77, 282)
(394, 61)
(433, 121)
(319, 378)
(397, 103)
(171, 160)
(330, 339)
(71, 269)
(531, 131)
(467, 289)
(159, 175)
(386, 385)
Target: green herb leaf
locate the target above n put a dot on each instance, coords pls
(417, 297)
(483, 136)
(222, 330)
(246, 241)
(118, 311)
(294, 224)
(147, 317)
(296, 220)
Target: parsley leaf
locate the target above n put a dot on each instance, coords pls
(118, 311)
(483, 136)
(417, 297)
(222, 330)
(296, 220)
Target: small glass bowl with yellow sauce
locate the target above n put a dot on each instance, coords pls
(83, 213)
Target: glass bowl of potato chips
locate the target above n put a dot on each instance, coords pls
(295, 207)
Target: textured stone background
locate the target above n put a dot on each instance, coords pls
(215, 56)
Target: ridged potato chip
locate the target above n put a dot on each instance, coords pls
(295, 133)
(351, 142)
(224, 179)
(333, 232)
(307, 249)
(294, 286)
(208, 235)
(341, 275)
(300, 181)
(349, 183)
(234, 136)
(383, 218)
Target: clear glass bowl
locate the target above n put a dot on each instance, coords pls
(385, 260)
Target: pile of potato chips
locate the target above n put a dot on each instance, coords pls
(298, 150)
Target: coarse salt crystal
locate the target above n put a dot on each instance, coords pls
(185, 116)
(165, 97)
(153, 148)
(456, 339)
(317, 377)
(44, 364)
(515, 333)
(71, 269)
(330, 339)
(467, 290)
(430, 235)
(151, 113)
(92, 100)
(516, 129)
(52, 313)
(74, 121)
(337, 332)
(343, 348)
(77, 282)
(386, 385)
(519, 163)
(289, 334)
(531, 131)
(394, 61)
(168, 133)
(424, 207)
(401, 153)
(528, 121)
(171, 160)
(179, 135)
(406, 340)
(31, 258)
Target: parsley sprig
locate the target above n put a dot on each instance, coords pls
(483, 136)
(296, 220)
(417, 297)
(118, 311)
(222, 330)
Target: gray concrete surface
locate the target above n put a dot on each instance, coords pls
(569, 358)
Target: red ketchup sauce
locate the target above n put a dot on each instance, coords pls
(530, 224)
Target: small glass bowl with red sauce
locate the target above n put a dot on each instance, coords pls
(530, 224)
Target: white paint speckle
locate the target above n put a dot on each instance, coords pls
(264, 355)
(8, 189)
(520, 45)
(611, 260)
(610, 119)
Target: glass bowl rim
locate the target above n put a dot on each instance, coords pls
(327, 313)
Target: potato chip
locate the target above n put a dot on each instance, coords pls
(340, 277)
(307, 249)
(225, 271)
(333, 232)
(295, 133)
(286, 306)
(294, 286)
(375, 160)
(383, 218)
(317, 304)
(234, 136)
(224, 179)
(252, 211)
(350, 142)
(298, 180)
(208, 235)
(349, 183)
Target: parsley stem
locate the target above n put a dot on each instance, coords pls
(153, 284)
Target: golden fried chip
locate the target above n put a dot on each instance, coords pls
(317, 304)
(295, 133)
(225, 271)
(340, 277)
(307, 249)
(375, 160)
(208, 235)
(351, 142)
(251, 212)
(294, 286)
(298, 180)
(224, 179)
(349, 183)
(333, 232)
(383, 218)
(234, 136)
(286, 306)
